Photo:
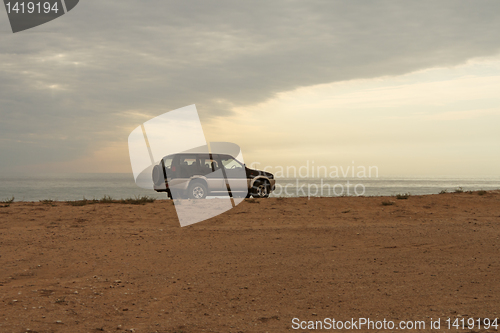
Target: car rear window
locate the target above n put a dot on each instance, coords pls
(167, 161)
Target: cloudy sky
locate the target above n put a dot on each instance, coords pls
(411, 87)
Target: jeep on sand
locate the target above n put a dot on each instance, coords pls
(198, 175)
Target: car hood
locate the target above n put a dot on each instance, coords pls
(252, 173)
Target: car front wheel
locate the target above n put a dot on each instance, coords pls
(197, 191)
(260, 189)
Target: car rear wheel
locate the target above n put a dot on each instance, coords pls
(158, 178)
(197, 190)
(260, 189)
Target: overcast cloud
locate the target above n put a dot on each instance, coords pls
(96, 73)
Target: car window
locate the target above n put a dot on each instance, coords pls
(209, 162)
(187, 160)
(167, 161)
(230, 163)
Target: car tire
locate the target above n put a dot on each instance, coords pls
(197, 190)
(158, 177)
(260, 189)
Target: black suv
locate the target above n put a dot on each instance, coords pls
(197, 175)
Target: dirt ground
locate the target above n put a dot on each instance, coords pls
(132, 268)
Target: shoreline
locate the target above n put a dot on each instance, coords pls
(146, 198)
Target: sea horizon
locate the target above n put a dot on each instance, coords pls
(77, 186)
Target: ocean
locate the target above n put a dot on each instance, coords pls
(62, 187)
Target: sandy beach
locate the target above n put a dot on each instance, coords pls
(131, 268)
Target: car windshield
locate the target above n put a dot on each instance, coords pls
(230, 163)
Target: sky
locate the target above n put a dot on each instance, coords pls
(409, 87)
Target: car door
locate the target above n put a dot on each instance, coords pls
(211, 170)
(235, 173)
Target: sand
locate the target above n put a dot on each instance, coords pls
(125, 268)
